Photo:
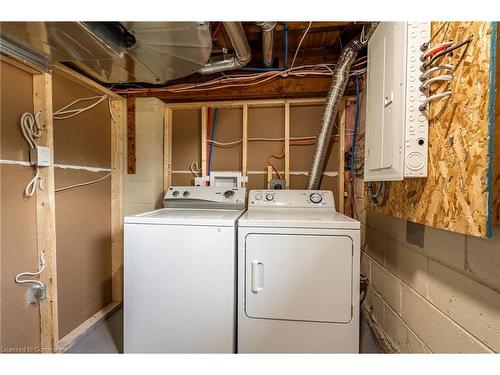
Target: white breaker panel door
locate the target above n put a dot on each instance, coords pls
(298, 277)
(396, 130)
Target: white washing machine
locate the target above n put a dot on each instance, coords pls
(298, 274)
(180, 273)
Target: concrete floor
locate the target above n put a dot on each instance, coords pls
(107, 337)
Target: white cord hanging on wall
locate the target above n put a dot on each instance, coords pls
(37, 291)
(39, 155)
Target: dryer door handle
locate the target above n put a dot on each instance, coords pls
(257, 276)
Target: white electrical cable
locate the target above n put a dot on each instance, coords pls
(111, 111)
(444, 77)
(425, 74)
(40, 270)
(195, 169)
(31, 129)
(300, 43)
(82, 184)
(65, 113)
(423, 106)
(238, 141)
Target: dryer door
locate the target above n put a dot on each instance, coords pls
(298, 277)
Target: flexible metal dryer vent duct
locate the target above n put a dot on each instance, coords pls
(267, 42)
(239, 41)
(335, 94)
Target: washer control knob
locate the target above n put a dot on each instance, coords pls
(316, 198)
(258, 196)
(175, 193)
(269, 197)
(228, 194)
(185, 194)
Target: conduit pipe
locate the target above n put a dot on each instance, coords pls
(241, 47)
(335, 94)
(267, 29)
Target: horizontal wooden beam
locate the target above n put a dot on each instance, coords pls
(292, 87)
(301, 26)
(248, 103)
(71, 338)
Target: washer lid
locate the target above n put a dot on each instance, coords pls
(182, 216)
(297, 218)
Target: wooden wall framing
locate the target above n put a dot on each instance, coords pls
(245, 106)
(455, 195)
(45, 205)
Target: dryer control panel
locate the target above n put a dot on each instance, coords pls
(205, 197)
(291, 199)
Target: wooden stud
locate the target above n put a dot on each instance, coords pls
(131, 167)
(167, 148)
(244, 147)
(269, 176)
(117, 149)
(71, 338)
(81, 80)
(204, 125)
(341, 126)
(287, 145)
(46, 221)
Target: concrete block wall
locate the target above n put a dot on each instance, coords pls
(443, 297)
(143, 191)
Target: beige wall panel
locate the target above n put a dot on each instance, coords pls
(20, 321)
(186, 138)
(17, 98)
(83, 139)
(229, 129)
(83, 228)
(268, 123)
(182, 179)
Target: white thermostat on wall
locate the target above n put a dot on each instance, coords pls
(396, 129)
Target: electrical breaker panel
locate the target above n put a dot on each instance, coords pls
(396, 129)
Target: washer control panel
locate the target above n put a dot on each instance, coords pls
(201, 196)
(291, 198)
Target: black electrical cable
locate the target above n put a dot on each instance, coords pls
(446, 51)
(363, 287)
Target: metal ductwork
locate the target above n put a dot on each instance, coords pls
(109, 52)
(241, 47)
(267, 42)
(335, 94)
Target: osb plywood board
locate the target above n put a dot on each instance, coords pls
(454, 196)
(83, 229)
(186, 139)
(496, 144)
(83, 139)
(20, 321)
(17, 98)
(229, 128)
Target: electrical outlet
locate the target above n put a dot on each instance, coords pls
(36, 293)
(40, 156)
(278, 184)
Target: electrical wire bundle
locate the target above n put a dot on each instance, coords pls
(432, 56)
(32, 130)
(67, 112)
(250, 79)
